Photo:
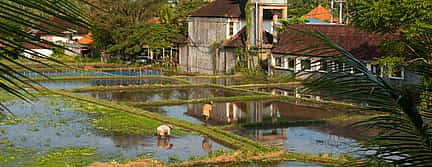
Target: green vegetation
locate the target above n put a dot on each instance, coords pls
(10, 155)
(66, 156)
(116, 122)
(307, 122)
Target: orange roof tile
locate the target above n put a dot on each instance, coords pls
(153, 20)
(86, 40)
(320, 13)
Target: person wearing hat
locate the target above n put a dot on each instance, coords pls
(206, 110)
(164, 131)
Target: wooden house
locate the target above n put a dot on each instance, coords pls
(215, 29)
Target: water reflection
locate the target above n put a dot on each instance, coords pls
(142, 95)
(164, 143)
(207, 144)
(73, 84)
(303, 139)
(244, 112)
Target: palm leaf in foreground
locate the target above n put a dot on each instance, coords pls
(405, 137)
(16, 17)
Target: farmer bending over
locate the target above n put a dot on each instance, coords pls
(164, 131)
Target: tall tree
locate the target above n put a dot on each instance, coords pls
(118, 14)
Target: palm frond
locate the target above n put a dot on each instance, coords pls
(16, 18)
(405, 136)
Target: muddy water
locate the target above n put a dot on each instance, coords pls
(72, 84)
(143, 95)
(55, 124)
(246, 112)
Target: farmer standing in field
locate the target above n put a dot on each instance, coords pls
(206, 110)
(164, 131)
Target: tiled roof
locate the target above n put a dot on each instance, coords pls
(361, 44)
(320, 13)
(221, 8)
(153, 20)
(239, 40)
(86, 40)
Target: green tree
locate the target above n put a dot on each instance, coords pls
(131, 40)
(117, 15)
(412, 19)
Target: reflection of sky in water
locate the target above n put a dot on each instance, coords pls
(175, 112)
(303, 140)
(56, 125)
(73, 84)
(142, 95)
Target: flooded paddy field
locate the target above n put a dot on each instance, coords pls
(312, 139)
(248, 112)
(143, 95)
(73, 84)
(53, 130)
(333, 138)
(81, 135)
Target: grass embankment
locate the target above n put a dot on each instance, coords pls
(111, 121)
(304, 122)
(237, 158)
(265, 85)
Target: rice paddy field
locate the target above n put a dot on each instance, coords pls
(110, 118)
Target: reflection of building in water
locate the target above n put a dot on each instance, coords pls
(226, 113)
(272, 137)
(289, 91)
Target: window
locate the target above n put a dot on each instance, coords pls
(278, 61)
(376, 70)
(305, 64)
(397, 74)
(324, 65)
(291, 63)
(231, 28)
